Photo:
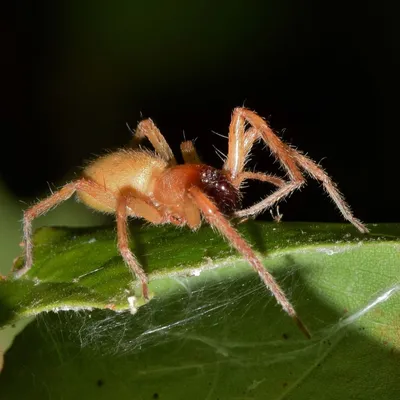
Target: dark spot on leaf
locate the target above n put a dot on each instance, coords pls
(100, 383)
(156, 396)
(284, 384)
(285, 336)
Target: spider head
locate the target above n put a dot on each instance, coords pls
(217, 185)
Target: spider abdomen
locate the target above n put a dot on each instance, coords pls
(133, 169)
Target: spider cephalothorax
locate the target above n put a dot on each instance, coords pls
(138, 183)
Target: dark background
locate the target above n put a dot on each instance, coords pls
(324, 74)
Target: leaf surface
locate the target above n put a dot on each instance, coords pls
(211, 330)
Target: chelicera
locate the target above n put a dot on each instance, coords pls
(135, 182)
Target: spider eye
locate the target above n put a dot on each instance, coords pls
(220, 189)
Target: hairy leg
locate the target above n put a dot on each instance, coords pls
(189, 153)
(291, 160)
(330, 187)
(259, 176)
(263, 178)
(215, 218)
(123, 243)
(236, 159)
(148, 129)
(43, 207)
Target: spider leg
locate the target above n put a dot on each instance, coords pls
(277, 216)
(269, 201)
(126, 204)
(189, 153)
(215, 218)
(148, 129)
(330, 187)
(291, 159)
(263, 178)
(123, 242)
(42, 208)
(259, 176)
(251, 136)
(140, 205)
(236, 159)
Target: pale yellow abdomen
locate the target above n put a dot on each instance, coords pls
(135, 169)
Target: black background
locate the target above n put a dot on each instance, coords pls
(324, 74)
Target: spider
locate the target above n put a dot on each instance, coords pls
(135, 182)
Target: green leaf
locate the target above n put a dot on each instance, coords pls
(211, 330)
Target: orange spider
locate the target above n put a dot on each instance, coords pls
(139, 183)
